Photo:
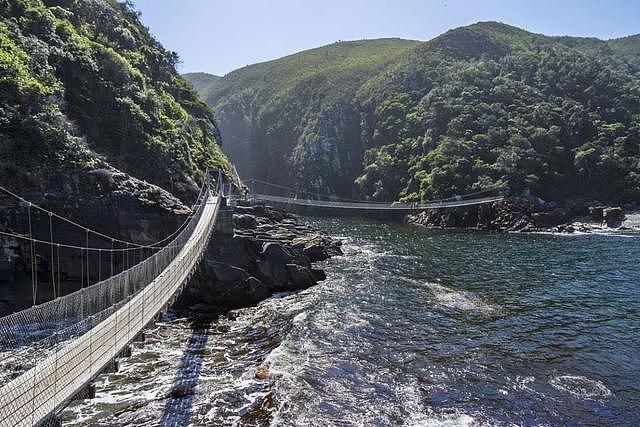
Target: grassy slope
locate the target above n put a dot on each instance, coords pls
(349, 62)
(201, 81)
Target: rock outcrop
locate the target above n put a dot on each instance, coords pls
(525, 214)
(269, 252)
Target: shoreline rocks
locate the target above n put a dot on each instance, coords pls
(527, 214)
(268, 252)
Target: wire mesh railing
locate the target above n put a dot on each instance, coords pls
(85, 330)
(18, 328)
(396, 206)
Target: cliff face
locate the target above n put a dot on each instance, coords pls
(477, 107)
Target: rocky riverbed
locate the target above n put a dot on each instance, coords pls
(269, 251)
(531, 214)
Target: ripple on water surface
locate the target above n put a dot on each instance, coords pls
(412, 327)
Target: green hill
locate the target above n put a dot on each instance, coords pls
(477, 106)
(201, 81)
(275, 112)
(84, 86)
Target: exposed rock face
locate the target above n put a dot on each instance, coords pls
(516, 214)
(596, 212)
(613, 216)
(269, 252)
(112, 202)
(526, 214)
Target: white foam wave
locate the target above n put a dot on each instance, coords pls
(576, 234)
(425, 420)
(632, 220)
(459, 300)
(579, 386)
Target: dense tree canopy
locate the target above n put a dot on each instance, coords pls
(479, 106)
(500, 105)
(83, 84)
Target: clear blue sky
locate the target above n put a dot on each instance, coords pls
(219, 36)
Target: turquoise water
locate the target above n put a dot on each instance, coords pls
(412, 327)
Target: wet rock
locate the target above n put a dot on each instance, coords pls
(597, 213)
(225, 272)
(566, 228)
(276, 252)
(245, 221)
(275, 274)
(301, 277)
(262, 373)
(245, 210)
(224, 285)
(552, 218)
(316, 252)
(180, 392)
(318, 275)
(613, 216)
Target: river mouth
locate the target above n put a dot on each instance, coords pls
(412, 327)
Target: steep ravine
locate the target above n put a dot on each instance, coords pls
(479, 106)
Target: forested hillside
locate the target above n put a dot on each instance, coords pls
(85, 87)
(476, 107)
(296, 119)
(202, 82)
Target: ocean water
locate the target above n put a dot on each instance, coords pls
(413, 327)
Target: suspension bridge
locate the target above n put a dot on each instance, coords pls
(62, 344)
(306, 202)
(59, 346)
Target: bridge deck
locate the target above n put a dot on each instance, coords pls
(398, 207)
(45, 388)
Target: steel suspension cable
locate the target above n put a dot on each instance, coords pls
(58, 251)
(284, 187)
(97, 233)
(336, 198)
(89, 248)
(87, 255)
(34, 279)
(51, 261)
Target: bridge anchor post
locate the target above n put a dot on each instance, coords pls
(224, 225)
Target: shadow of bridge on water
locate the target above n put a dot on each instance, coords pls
(179, 407)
